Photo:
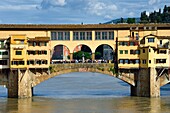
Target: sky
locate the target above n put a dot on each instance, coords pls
(73, 11)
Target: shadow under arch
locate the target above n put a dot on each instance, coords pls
(104, 52)
(60, 52)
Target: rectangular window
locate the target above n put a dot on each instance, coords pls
(132, 43)
(121, 51)
(160, 60)
(89, 35)
(162, 52)
(60, 36)
(53, 36)
(38, 62)
(144, 61)
(37, 43)
(149, 61)
(34, 43)
(30, 43)
(21, 62)
(39, 52)
(67, 35)
(45, 43)
(3, 62)
(44, 62)
(143, 50)
(121, 61)
(126, 51)
(149, 50)
(1, 44)
(28, 62)
(120, 43)
(18, 52)
(82, 35)
(104, 35)
(97, 35)
(4, 53)
(125, 44)
(137, 36)
(131, 61)
(160, 42)
(32, 62)
(131, 51)
(126, 61)
(44, 52)
(133, 34)
(137, 52)
(75, 35)
(21, 41)
(137, 61)
(111, 35)
(151, 39)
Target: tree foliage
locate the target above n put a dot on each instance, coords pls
(156, 17)
(131, 20)
(79, 55)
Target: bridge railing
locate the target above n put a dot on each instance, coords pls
(65, 66)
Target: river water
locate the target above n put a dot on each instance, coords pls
(85, 93)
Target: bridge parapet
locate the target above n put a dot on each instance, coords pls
(99, 66)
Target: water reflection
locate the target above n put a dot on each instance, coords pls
(85, 93)
(88, 105)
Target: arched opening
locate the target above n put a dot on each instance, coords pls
(3, 91)
(60, 53)
(82, 53)
(82, 85)
(104, 53)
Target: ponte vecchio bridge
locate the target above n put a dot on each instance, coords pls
(139, 54)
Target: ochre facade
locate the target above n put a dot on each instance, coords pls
(139, 45)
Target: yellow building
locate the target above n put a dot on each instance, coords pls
(38, 52)
(150, 51)
(139, 45)
(18, 51)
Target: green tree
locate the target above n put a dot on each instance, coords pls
(144, 18)
(121, 20)
(131, 20)
(78, 55)
(98, 55)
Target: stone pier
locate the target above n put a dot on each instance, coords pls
(146, 83)
(19, 84)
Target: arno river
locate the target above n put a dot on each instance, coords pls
(85, 93)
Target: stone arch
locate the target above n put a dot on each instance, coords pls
(60, 52)
(60, 69)
(104, 52)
